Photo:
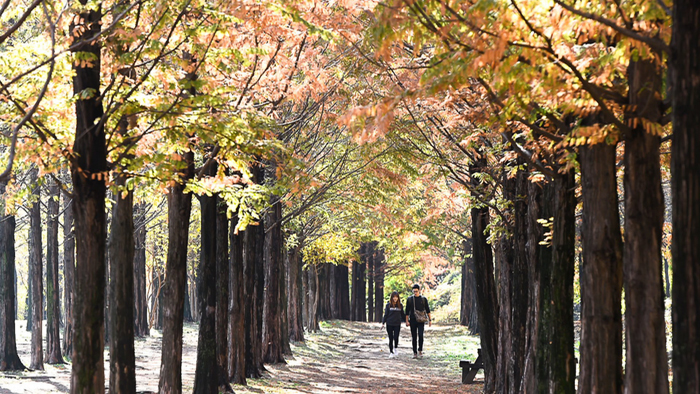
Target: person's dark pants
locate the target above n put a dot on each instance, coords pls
(393, 332)
(417, 331)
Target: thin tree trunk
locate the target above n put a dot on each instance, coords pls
(284, 303)
(600, 274)
(520, 282)
(122, 361)
(685, 186)
(312, 323)
(485, 290)
(296, 296)
(68, 274)
(237, 308)
(271, 333)
(9, 359)
(173, 294)
(53, 298)
(222, 294)
(646, 370)
(333, 287)
(206, 375)
(89, 170)
(504, 260)
(141, 304)
(379, 265)
(251, 326)
(344, 291)
(37, 286)
(370, 281)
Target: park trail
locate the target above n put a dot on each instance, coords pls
(342, 357)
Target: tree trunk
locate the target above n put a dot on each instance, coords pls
(222, 294)
(344, 291)
(206, 375)
(485, 290)
(504, 260)
(685, 186)
(296, 296)
(519, 285)
(53, 298)
(9, 359)
(538, 208)
(271, 330)
(379, 265)
(646, 369)
(370, 281)
(237, 308)
(259, 286)
(251, 326)
(173, 293)
(333, 289)
(600, 274)
(68, 274)
(556, 367)
(37, 285)
(122, 361)
(141, 304)
(89, 170)
(284, 295)
(312, 322)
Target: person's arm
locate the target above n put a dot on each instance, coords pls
(407, 310)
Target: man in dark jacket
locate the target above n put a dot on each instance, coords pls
(417, 303)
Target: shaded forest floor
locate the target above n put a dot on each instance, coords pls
(343, 357)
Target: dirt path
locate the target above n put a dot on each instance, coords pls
(344, 357)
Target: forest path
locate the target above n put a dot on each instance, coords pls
(353, 357)
(343, 357)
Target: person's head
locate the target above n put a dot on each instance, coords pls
(416, 289)
(395, 300)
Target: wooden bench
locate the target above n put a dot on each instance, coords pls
(470, 369)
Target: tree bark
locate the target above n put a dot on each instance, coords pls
(222, 294)
(252, 338)
(271, 330)
(312, 322)
(379, 265)
(37, 284)
(370, 281)
(646, 369)
(237, 308)
(344, 291)
(600, 274)
(206, 375)
(141, 304)
(53, 298)
(68, 274)
(538, 208)
(88, 169)
(685, 186)
(556, 367)
(520, 282)
(173, 292)
(284, 317)
(485, 289)
(9, 359)
(296, 296)
(122, 361)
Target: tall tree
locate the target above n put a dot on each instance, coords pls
(222, 293)
(53, 300)
(122, 360)
(646, 369)
(173, 292)
(685, 187)
(89, 170)
(600, 273)
(271, 332)
(37, 286)
(236, 308)
(296, 295)
(141, 303)
(9, 359)
(68, 273)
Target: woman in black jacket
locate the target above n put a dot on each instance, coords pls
(393, 317)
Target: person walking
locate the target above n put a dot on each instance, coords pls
(393, 316)
(417, 314)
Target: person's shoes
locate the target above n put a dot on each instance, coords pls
(420, 355)
(396, 351)
(392, 355)
(415, 355)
